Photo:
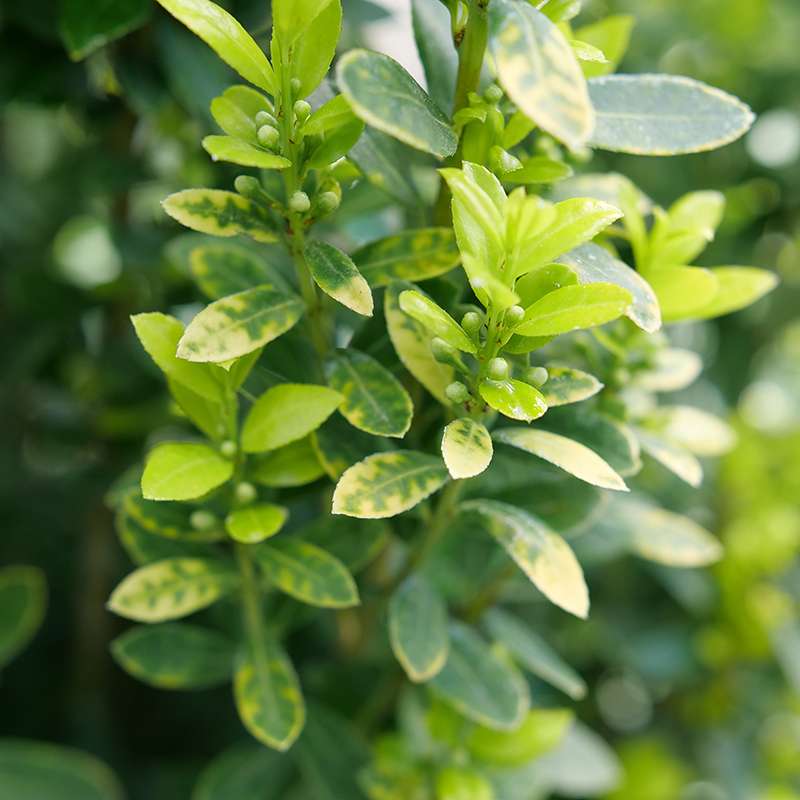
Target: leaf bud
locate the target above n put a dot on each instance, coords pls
(494, 94)
(514, 315)
(268, 136)
(295, 84)
(471, 322)
(299, 203)
(265, 118)
(327, 202)
(245, 492)
(442, 351)
(498, 369)
(202, 520)
(247, 185)
(228, 448)
(536, 376)
(302, 110)
(456, 392)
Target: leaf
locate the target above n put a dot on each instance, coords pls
(294, 464)
(253, 524)
(336, 143)
(183, 471)
(683, 292)
(374, 400)
(534, 654)
(159, 335)
(381, 159)
(671, 369)
(698, 431)
(412, 344)
(663, 115)
(244, 772)
(386, 484)
(175, 655)
(236, 151)
(226, 268)
(513, 399)
(220, 213)
(466, 448)
(480, 685)
(170, 520)
(234, 120)
(268, 696)
(38, 770)
(737, 288)
(675, 458)
(88, 26)
(594, 264)
(355, 544)
(307, 573)
(172, 588)
(268, 426)
(435, 319)
(312, 53)
(539, 169)
(23, 597)
(292, 18)
(385, 96)
(336, 274)
(418, 629)
(540, 553)
(573, 308)
(536, 284)
(611, 35)
(238, 324)
(565, 385)
(462, 783)
(434, 40)
(537, 68)
(412, 255)
(338, 446)
(226, 37)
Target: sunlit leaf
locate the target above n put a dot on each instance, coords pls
(566, 385)
(683, 292)
(336, 274)
(183, 471)
(436, 320)
(255, 523)
(737, 288)
(236, 151)
(466, 448)
(513, 399)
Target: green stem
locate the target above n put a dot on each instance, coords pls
(252, 617)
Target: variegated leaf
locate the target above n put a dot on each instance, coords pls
(224, 268)
(566, 385)
(436, 320)
(675, 458)
(466, 448)
(336, 274)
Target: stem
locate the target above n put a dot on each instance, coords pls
(251, 608)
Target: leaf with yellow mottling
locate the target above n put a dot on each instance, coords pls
(566, 385)
(466, 448)
(336, 274)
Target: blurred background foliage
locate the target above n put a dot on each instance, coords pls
(694, 676)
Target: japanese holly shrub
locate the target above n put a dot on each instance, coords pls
(373, 448)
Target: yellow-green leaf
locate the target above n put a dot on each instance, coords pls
(566, 385)
(461, 783)
(737, 288)
(436, 320)
(183, 471)
(466, 448)
(336, 274)
(255, 523)
(611, 35)
(683, 292)
(224, 268)
(236, 151)
(513, 399)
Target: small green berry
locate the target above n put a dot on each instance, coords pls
(202, 520)
(443, 352)
(302, 110)
(471, 322)
(295, 84)
(268, 136)
(514, 315)
(537, 376)
(265, 118)
(245, 492)
(328, 202)
(498, 369)
(228, 448)
(299, 203)
(494, 94)
(246, 185)
(456, 392)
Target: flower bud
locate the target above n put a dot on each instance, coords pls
(228, 448)
(265, 118)
(295, 85)
(327, 202)
(498, 369)
(536, 376)
(245, 492)
(302, 110)
(514, 315)
(471, 322)
(443, 352)
(299, 203)
(202, 520)
(268, 136)
(494, 94)
(456, 392)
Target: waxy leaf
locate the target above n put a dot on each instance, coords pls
(238, 324)
(253, 524)
(307, 573)
(294, 464)
(413, 255)
(229, 40)
(312, 52)
(466, 448)
(538, 551)
(565, 385)
(285, 413)
(23, 595)
(683, 292)
(336, 274)
(374, 400)
(234, 120)
(382, 160)
(436, 320)
(539, 169)
(87, 26)
(227, 268)
(220, 213)
(291, 18)
(385, 96)
(236, 151)
(480, 685)
(534, 654)
(536, 284)
(663, 115)
(418, 629)
(175, 655)
(574, 308)
(571, 456)
(434, 39)
(172, 588)
(537, 68)
(513, 399)
(183, 471)
(386, 484)
(674, 457)
(737, 288)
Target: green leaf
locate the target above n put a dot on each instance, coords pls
(175, 655)
(268, 696)
(534, 654)
(412, 343)
(336, 274)
(536, 284)
(683, 292)
(374, 400)
(172, 588)
(569, 455)
(540, 732)
(255, 523)
(38, 770)
(565, 385)
(294, 464)
(88, 25)
(537, 68)
(233, 119)
(238, 324)
(574, 308)
(466, 448)
(244, 772)
(235, 151)
(226, 37)
(311, 55)
(480, 685)
(226, 268)
(220, 213)
(671, 369)
(418, 629)
(382, 160)
(434, 40)
(412, 255)
(436, 320)
(539, 169)
(268, 426)
(183, 471)
(170, 520)
(307, 573)
(674, 457)
(338, 446)
(159, 335)
(611, 35)
(663, 115)
(386, 484)
(460, 783)
(291, 18)
(23, 596)
(206, 415)
(594, 264)
(737, 288)
(540, 553)
(336, 142)
(385, 96)
(513, 399)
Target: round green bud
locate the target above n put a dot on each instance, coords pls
(471, 322)
(456, 392)
(265, 118)
(246, 185)
(228, 448)
(498, 369)
(302, 110)
(295, 84)
(268, 136)
(202, 520)
(245, 492)
(442, 351)
(537, 376)
(327, 202)
(494, 94)
(514, 315)
(299, 203)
